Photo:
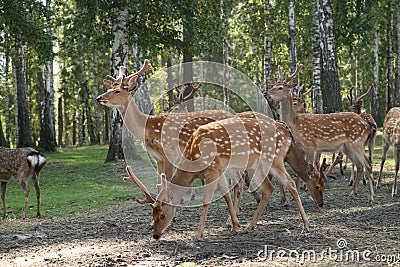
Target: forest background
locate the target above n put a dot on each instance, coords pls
(55, 54)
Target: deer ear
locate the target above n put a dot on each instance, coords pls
(108, 84)
(310, 169)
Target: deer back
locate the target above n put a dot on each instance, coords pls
(391, 127)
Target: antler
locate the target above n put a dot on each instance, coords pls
(350, 96)
(131, 79)
(360, 98)
(194, 90)
(295, 73)
(150, 197)
(309, 91)
(121, 74)
(280, 74)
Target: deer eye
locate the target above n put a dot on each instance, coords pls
(117, 91)
(162, 216)
(317, 187)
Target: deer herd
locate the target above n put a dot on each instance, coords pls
(209, 144)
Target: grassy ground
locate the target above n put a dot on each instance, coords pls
(75, 182)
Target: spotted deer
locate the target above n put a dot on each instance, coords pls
(17, 165)
(345, 131)
(249, 141)
(164, 135)
(299, 103)
(391, 137)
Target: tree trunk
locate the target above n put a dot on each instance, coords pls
(95, 104)
(225, 58)
(375, 110)
(47, 119)
(267, 68)
(23, 125)
(188, 55)
(316, 40)
(60, 122)
(119, 58)
(329, 76)
(292, 37)
(46, 142)
(81, 131)
(7, 91)
(390, 58)
(398, 57)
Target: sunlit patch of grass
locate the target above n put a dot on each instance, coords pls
(75, 181)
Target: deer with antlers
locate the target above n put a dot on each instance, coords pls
(249, 141)
(391, 137)
(18, 164)
(164, 135)
(346, 131)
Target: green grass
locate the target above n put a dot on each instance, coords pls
(75, 182)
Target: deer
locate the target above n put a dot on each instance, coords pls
(314, 133)
(299, 98)
(355, 106)
(17, 165)
(391, 137)
(164, 135)
(250, 141)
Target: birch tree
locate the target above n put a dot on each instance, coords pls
(119, 57)
(329, 73)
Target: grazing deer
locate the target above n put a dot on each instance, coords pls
(391, 137)
(19, 164)
(164, 135)
(346, 131)
(249, 141)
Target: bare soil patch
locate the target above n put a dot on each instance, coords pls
(345, 232)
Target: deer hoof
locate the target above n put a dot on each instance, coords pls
(242, 232)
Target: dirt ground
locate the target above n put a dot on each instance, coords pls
(345, 232)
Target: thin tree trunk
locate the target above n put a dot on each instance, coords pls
(329, 76)
(375, 110)
(292, 37)
(225, 58)
(7, 91)
(316, 40)
(390, 58)
(23, 124)
(60, 122)
(96, 105)
(398, 56)
(188, 55)
(267, 60)
(119, 58)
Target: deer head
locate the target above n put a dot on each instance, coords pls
(162, 210)
(276, 92)
(119, 89)
(357, 104)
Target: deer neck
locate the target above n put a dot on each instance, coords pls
(287, 111)
(297, 162)
(134, 119)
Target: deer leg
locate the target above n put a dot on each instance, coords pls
(25, 186)
(223, 188)
(351, 179)
(396, 152)
(3, 198)
(385, 148)
(237, 180)
(288, 182)
(35, 179)
(209, 189)
(266, 192)
(284, 201)
(247, 181)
